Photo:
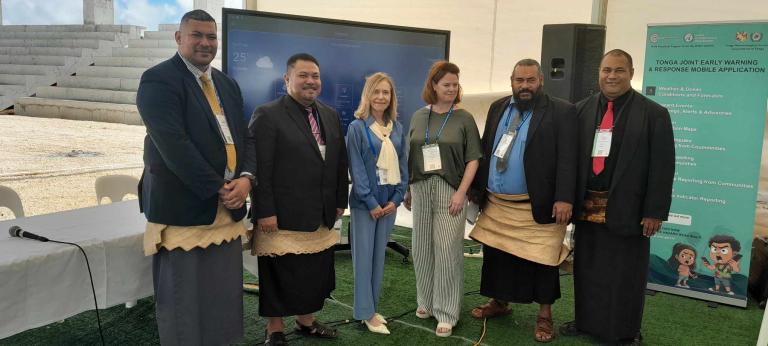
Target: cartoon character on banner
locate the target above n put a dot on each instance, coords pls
(724, 251)
(683, 259)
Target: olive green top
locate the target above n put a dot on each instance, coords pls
(459, 143)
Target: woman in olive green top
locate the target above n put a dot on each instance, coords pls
(442, 161)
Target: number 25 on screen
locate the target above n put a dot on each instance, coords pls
(239, 57)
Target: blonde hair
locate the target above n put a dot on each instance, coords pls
(365, 98)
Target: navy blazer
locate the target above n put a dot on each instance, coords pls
(184, 155)
(295, 183)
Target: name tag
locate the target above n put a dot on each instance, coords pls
(322, 150)
(431, 157)
(602, 145)
(504, 143)
(383, 177)
(222, 120)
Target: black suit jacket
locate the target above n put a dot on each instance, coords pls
(550, 154)
(295, 184)
(184, 155)
(641, 185)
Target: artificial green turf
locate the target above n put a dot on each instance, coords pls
(668, 320)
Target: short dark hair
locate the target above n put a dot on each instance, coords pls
(438, 70)
(721, 238)
(527, 62)
(198, 15)
(300, 56)
(619, 52)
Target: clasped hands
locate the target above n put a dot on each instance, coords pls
(234, 192)
(379, 212)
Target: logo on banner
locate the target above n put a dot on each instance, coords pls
(688, 37)
(654, 38)
(757, 36)
(742, 36)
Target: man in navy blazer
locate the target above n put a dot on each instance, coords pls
(198, 169)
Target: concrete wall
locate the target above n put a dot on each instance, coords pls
(98, 11)
(487, 36)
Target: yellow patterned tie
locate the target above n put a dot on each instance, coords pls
(210, 94)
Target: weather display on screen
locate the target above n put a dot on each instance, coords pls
(257, 47)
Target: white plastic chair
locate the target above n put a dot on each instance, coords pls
(10, 199)
(115, 187)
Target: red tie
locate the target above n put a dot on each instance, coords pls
(598, 163)
(314, 127)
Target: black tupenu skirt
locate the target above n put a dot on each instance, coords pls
(295, 284)
(513, 279)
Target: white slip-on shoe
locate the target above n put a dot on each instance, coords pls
(380, 329)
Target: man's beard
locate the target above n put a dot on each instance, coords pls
(524, 105)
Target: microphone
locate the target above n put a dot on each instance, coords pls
(16, 231)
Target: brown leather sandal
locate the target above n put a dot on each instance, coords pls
(545, 330)
(493, 308)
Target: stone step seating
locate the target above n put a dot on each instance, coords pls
(105, 91)
(99, 83)
(127, 61)
(108, 36)
(45, 51)
(39, 55)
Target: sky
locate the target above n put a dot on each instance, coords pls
(147, 13)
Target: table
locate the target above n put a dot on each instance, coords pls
(41, 283)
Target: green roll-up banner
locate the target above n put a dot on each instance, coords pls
(712, 77)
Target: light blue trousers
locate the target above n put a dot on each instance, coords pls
(369, 243)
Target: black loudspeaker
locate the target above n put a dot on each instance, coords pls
(570, 59)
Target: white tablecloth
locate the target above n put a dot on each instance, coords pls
(42, 283)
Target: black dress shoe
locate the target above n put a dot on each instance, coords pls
(569, 329)
(636, 341)
(275, 339)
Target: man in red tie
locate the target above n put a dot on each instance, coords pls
(624, 191)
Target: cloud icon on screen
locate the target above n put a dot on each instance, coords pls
(265, 62)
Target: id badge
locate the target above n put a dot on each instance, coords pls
(431, 157)
(322, 150)
(602, 145)
(222, 120)
(504, 143)
(383, 177)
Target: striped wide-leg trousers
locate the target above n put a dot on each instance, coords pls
(438, 258)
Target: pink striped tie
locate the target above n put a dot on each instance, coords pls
(313, 125)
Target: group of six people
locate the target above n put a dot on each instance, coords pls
(605, 164)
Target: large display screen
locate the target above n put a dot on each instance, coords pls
(257, 44)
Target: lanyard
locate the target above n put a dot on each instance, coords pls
(370, 144)
(439, 132)
(527, 114)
